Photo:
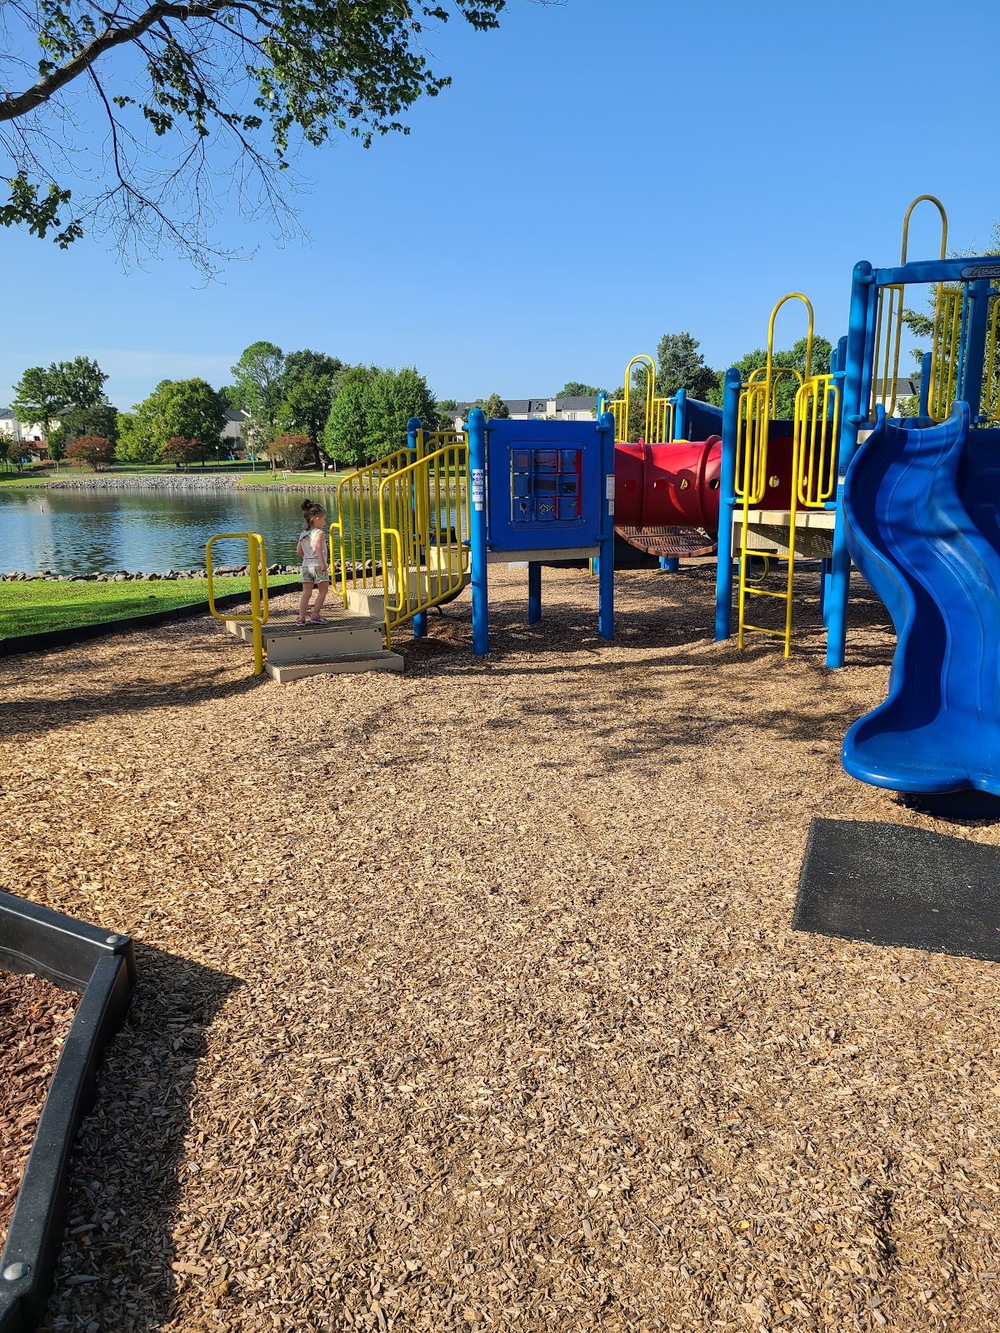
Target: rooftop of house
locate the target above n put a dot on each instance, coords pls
(525, 406)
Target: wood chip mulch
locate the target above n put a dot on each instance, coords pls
(35, 1019)
(468, 997)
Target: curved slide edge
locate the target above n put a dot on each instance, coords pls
(907, 500)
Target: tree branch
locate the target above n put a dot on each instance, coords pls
(32, 98)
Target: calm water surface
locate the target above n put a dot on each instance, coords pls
(88, 532)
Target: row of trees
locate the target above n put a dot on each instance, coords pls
(303, 407)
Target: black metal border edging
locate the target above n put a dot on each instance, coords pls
(76, 956)
(57, 638)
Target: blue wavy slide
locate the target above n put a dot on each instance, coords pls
(922, 514)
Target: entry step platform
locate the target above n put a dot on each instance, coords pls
(342, 642)
(383, 660)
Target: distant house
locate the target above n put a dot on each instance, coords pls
(896, 391)
(236, 419)
(535, 409)
(29, 434)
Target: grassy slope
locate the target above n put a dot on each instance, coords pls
(31, 607)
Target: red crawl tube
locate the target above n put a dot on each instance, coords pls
(668, 485)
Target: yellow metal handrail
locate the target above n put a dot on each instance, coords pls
(931, 199)
(657, 413)
(944, 351)
(661, 422)
(756, 412)
(424, 521)
(257, 565)
(889, 319)
(817, 431)
(757, 409)
(991, 370)
(355, 550)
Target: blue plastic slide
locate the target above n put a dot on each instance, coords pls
(921, 509)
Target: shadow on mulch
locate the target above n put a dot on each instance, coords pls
(138, 694)
(115, 1264)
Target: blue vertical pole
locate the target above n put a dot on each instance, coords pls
(679, 431)
(534, 592)
(606, 534)
(727, 503)
(838, 355)
(413, 427)
(975, 342)
(857, 375)
(670, 564)
(926, 362)
(476, 427)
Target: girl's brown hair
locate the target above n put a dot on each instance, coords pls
(310, 508)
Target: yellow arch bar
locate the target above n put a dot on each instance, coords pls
(930, 199)
(658, 413)
(257, 565)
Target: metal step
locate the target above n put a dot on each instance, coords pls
(285, 672)
(343, 636)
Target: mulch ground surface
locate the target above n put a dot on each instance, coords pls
(35, 1019)
(469, 998)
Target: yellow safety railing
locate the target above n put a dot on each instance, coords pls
(424, 521)
(757, 409)
(355, 545)
(657, 413)
(817, 431)
(991, 369)
(257, 565)
(889, 313)
(945, 351)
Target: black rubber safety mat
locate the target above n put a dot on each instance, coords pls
(887, 884)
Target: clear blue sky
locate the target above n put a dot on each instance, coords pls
(599, 174)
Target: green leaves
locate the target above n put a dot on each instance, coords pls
(39, 212)
(369, 415)
(58, 390)
(218, 71)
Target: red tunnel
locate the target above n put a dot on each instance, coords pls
(666, 485)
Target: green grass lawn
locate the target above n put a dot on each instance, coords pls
(27, 478)
(264, 477)
(31, 607)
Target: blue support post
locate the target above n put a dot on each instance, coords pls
(679, 431)
(413, 427)
(826, 567)
(727, 503)
(975, 342)
(838, 356)
(863, 304)
(534, 592)
(926, 362)
(670, 564)
(606, 537)
(476, 427)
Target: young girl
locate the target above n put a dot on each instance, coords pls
(312, 552)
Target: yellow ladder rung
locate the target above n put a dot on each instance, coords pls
(767, 592)
(760, 629)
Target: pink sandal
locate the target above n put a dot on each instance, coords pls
(316, 620)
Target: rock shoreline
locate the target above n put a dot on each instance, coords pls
(158, 482)
(125, 576)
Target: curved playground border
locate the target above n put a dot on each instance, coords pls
(76, 956)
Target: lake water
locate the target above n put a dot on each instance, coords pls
(88, 532)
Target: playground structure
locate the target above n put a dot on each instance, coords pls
(920, 498)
